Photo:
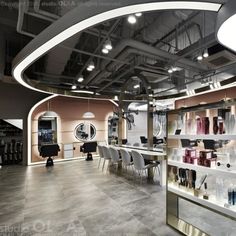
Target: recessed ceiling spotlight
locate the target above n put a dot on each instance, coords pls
(73, 87)
(136, 86)
(205, 53)
(199, 58)
(80, 79)
(132, 19)
(105, 51)
(108, 44)
(138, 14)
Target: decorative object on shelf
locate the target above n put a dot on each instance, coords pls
(88, 114)
(227, 123)
(232, 124)
(205, 125)
(215, 125)
(199, 125)
(221, 125)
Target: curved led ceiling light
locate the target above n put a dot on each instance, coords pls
(89, 14)
(225, 26)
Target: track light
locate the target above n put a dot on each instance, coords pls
(80, 79)
(174, 69)
(108, 45)
(105, 51)
(91, 66)
(170, 70)
(205, 53)
(138, 14)
(73, 87)
(136, 86)
(199, 58)
(132, 19)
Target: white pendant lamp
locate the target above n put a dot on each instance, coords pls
(49, 113)
(225, 25)
(88, 114)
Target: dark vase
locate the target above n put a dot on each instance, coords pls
(215, 125)
(199, 126)
(205, 125)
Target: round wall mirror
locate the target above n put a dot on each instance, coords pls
(85, 132)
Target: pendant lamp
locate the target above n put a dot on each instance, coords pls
(88, 114)
(49, 113)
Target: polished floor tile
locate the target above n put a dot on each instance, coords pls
(78, 199)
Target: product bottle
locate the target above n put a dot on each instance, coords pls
(207, 125)
(230, 195)
(199, 126)
(215, 125)
(219, 189)
(234, 196)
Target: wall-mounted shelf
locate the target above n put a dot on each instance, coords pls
(208, 118)
(214, 171)
(204, 136)
(211, 203)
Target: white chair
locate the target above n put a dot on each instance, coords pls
(106, 156)
(100, 152)
(126, 158)
(139, 163)
(115, 157)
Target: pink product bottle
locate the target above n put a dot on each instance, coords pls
(199, 126)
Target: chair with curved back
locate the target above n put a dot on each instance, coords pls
(106, 156)
(139, 163)
(126, 158)
(115, 157)
(100, 152)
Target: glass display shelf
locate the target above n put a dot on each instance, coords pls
(212, 203)
(210, 170)
(204, 136)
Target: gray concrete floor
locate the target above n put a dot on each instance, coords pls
(76, 198)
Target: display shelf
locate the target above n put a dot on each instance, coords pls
(211, 203)
(214, 171)
(204, 136)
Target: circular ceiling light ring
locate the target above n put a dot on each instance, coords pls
(225, 25)
(87, 15)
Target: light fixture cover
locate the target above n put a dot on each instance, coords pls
(50, 114)
(199, 58)
(132, 19)
(80, 79)
(88, 115)
(105, 51)
(108, 44)
(205, 53)
(225, 25)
